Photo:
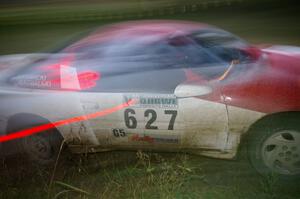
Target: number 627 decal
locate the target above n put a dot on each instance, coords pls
(131, 122)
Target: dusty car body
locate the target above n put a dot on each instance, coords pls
(157, 85)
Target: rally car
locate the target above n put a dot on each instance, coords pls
(155, 85)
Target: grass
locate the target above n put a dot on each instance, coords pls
(141, 175)
(276, 25)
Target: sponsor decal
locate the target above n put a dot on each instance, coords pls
(39, 81)
(150, 101)
(144, 138)
(154, 139)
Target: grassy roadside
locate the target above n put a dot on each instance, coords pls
(141, 175)
(278, 25)
(82, 11)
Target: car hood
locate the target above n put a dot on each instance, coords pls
(292, 51)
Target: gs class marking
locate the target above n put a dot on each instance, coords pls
(119, 132)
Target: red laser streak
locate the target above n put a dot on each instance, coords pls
(43, 127)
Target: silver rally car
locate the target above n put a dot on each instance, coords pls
(154, 85)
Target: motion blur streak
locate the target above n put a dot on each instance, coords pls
(44, 127)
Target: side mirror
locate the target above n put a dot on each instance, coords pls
(191, 90)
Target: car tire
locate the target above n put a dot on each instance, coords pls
(274, 146)
(42, 149)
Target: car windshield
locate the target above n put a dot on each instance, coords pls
(222, 44)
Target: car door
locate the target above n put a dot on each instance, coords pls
(151, 121)
(158, 119)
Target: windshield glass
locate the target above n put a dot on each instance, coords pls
(224, 45)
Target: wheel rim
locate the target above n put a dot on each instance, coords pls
(281, 152)
(38, 147)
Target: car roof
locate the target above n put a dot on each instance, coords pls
(157, 29)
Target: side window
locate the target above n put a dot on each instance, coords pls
(145, 68)
(197, 60)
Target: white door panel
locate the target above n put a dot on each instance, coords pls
(157, 121)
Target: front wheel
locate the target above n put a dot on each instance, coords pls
(274, 146)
